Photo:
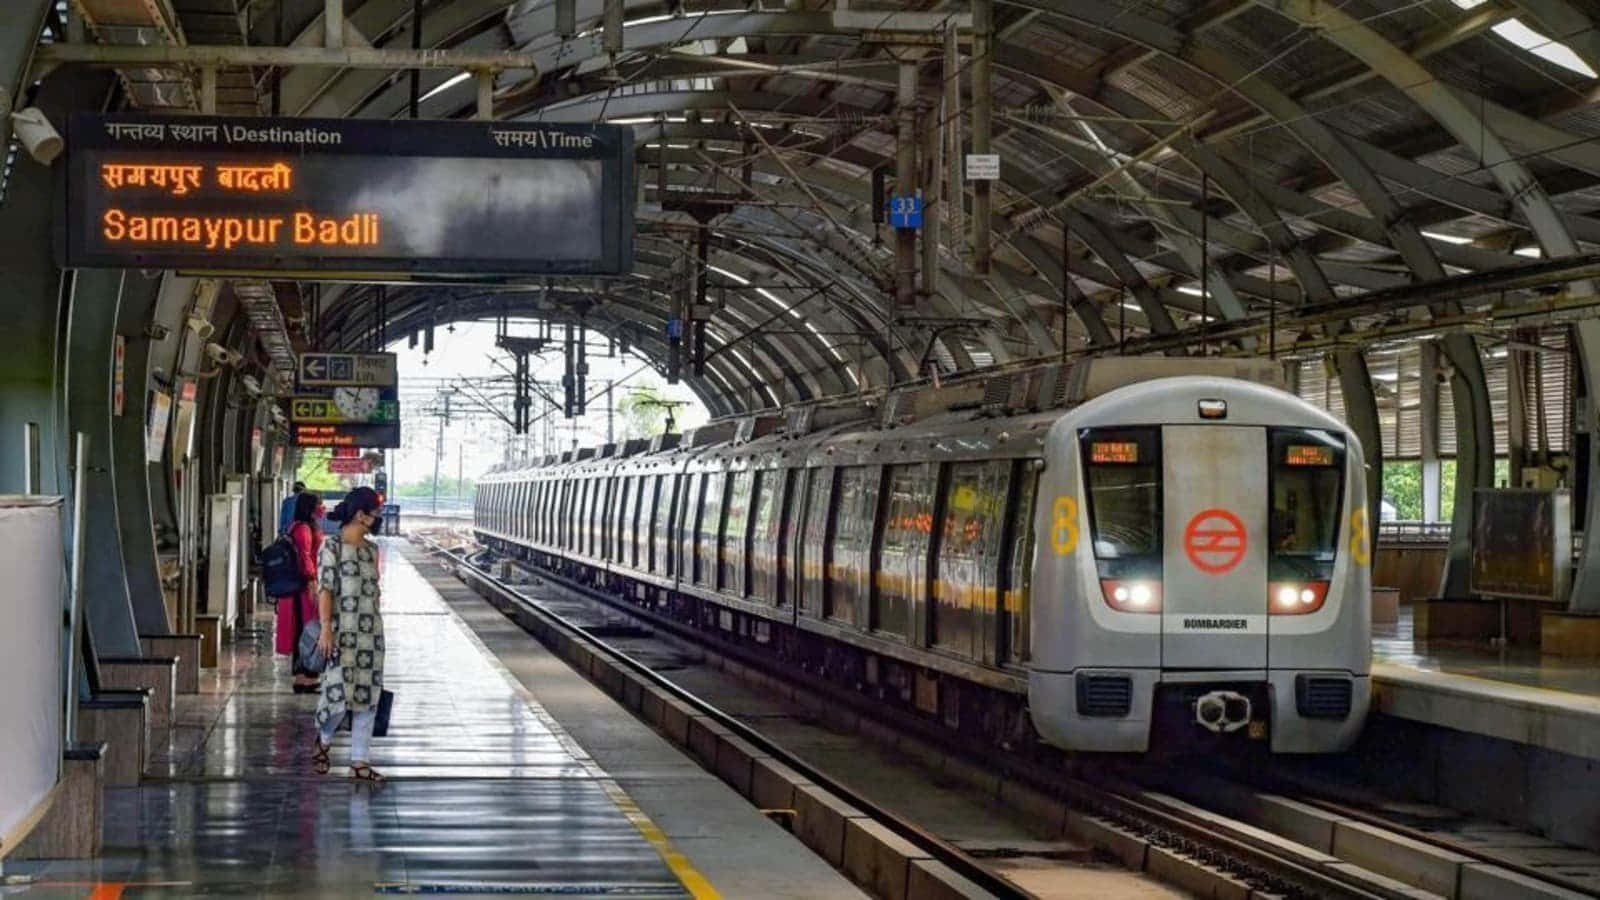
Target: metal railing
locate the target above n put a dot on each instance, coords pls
(1414, 532)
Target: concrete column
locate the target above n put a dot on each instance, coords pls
(333, 23)
(131, 473)
(905, 185)
(955, 194)
(1430, 432)
(1361, 414)
(932, 134)
(1585, 596)
(982, 96)
(1474, 454)
(485, 94)
(95, 296)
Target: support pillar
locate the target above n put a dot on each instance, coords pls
(1516, 411)
(1585, 597)
(485, 94)
(1474, 455)
(96, 294)
(1361, 413)
(333, 23)
(982, 96)
(905, 185)
(1430, 432)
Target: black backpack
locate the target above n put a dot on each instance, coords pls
(280, 568)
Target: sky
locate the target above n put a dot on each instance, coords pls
(475, 443)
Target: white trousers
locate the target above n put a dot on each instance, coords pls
(361, 723)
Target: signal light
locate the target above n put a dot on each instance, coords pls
(1296, 598)
(1132, 596)
(1213, 409)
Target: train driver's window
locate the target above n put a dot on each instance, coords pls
(1307, 492)
(1123, 470)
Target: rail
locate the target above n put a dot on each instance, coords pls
(934, 846)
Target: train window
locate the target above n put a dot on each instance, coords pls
(638, 525)
(709, 522)
(902, 561)
(688, 505)
(970, 552)
(1124, 491)
(623, 519)
(855, 513)
(735, 523)
(661, 539)
(1016, 632)
(814, 543)
(766, 553)
(581, 527)
(1307, 483)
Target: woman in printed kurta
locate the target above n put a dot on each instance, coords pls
(352, 632)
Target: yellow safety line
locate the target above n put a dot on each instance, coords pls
(698, 886)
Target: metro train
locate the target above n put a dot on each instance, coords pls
(1117, 556)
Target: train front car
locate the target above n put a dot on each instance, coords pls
(1201, 572)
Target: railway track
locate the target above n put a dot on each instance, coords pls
(1115, 815)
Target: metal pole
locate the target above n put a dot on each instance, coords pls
(905, 185)
(416, 44)
(437, 452)
(485, 94)
(1205, 261)
(30, 458)
(208, 90)
(954, 191)
(80, 491)
(982, 95)
(611, 434)
(461, 464)
(332, 24)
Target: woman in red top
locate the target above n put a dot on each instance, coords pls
(295, 610)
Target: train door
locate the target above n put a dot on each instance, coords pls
(1214, 592)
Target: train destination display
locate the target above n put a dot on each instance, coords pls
(309, 196)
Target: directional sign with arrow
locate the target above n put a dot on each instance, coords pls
(359, 369)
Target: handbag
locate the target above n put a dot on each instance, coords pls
(312, 658)
(380, 727)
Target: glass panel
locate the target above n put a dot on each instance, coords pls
(1018, 612)
(660, 547)
(624, 522)
(1307, 486)
(850, 567)
(688, 522)
(902, 570)
(969, 554)
(705, 543)
(765, 567)
(1124, 492)
(733, 533)
(814, 558)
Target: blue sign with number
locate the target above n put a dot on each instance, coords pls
(905, 211)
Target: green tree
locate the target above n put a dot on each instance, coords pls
(314, 471)
(1402, 486)
(643, 413)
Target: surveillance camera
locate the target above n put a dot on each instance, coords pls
(201, 327)
(37, 134)
(251, 386)
(223, 356)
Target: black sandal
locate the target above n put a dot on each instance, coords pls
(364, 772)
(319, 757)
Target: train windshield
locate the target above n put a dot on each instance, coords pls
(1123, 471)
(1307, 495)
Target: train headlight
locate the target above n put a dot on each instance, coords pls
(1296, 598)
(1132, 596)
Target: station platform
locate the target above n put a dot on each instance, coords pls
(1548, 702)
(489, 792)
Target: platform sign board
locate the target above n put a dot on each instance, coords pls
(377, 406)
(349, 466)
(359, 369)
(905, 211)
(1521, 543)
(310, 198)
(311, 434)
(983, 167)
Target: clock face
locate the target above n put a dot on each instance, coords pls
(356, 402)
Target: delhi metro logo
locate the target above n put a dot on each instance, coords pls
(1214, 540)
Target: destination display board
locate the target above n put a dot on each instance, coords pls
(312, 197)
(312, 434)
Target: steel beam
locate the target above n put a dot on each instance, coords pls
(386, 58)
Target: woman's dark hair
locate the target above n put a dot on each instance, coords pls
(305, 507)
(362, 499)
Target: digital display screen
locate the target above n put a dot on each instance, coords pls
(1308, 455)
(344, 435)
(1114, 452)
(308, 195)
